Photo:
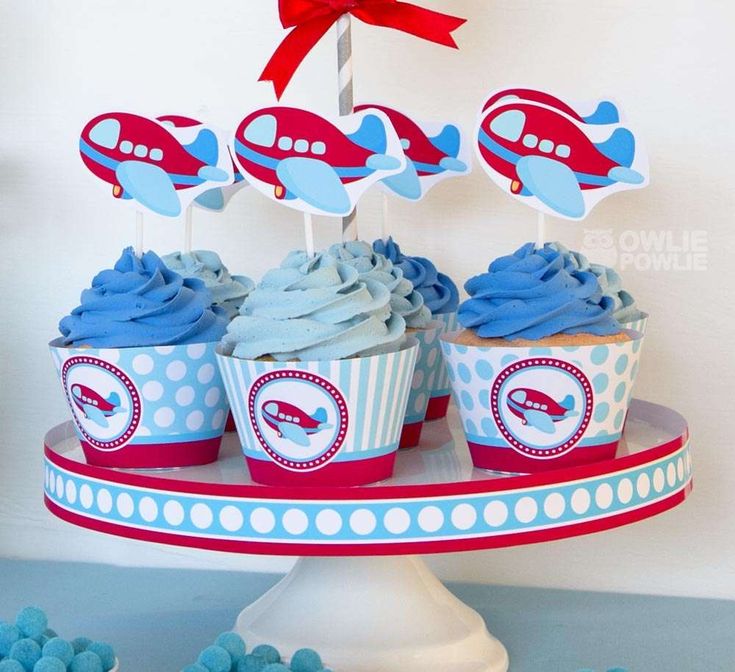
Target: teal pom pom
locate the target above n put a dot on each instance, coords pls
(233, 644)
(86, 661)
(196, 667)
(215, 659)
(9, 635)
(275, 667)
(268, 653)
(80, 644)
(8, 665)
(251, 663)
(31, 621)
(58, 648)
(306, 660)
(26, 652)
(49, 665)
(105, 652)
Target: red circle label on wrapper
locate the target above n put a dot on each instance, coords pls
(299, 418)
(105, 403)
(542, 406)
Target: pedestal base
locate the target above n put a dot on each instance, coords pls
(372, 615)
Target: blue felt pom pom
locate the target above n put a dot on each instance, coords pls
(80, 644)
(233, 644)
(26, 652)
(306, 660)
(9, 635)
(196, 667)
(86, 661)
(49, 665)
(9, 665)
(58, 648)
(275, 667)
(268, 653)
(105, 652)
(31, 621)
(251, 663)
(215, 659)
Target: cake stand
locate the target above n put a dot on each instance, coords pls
(357, 594)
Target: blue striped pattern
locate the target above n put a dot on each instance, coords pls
(442, 387)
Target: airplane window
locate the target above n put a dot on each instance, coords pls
(530, 140)
(509, 125)
(405, 143)
(140, 151)
(318, 148)
(126, 147)
(546, 146)
(156, 154)
(285, 143)
(301, 146)
(563, 151)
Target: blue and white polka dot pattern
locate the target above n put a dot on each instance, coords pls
(180, 389)
(382, 520)
(428, 366)
(441, 386)
(611, 370)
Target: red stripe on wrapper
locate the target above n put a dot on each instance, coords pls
(437, 408)
(155, 455)
(506, 459)
(337, 474)
(411, 435)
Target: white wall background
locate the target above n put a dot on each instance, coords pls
(668, 60)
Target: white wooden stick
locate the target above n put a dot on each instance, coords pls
(384, 225)
(138, 233)
(346, 99)
(188, 226)
(541, 231)
(309, 234)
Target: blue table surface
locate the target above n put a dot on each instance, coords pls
(158, 620)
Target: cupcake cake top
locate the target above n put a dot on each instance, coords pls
(141, 302)
(625, 308)
(404, 299)
(315, 309)
(534, 294)
(228, 291)
(439, 292)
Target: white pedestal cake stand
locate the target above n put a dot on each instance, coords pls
(357, 595)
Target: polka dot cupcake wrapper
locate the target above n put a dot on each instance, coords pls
(428, 367)
(441, 387)
(306, 415)
(121, 397)
(543, 403)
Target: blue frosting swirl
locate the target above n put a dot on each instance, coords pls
(141, 302)
(534, 294)
(439, 291)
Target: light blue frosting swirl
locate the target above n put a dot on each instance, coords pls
(439, 292)
(228, 291)
(625, 308)
(404, 299)
(141, 302)
(315, 309)
(534, 294)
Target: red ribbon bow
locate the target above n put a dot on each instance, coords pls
(311, 19)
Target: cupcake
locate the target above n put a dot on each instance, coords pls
(228, 291)
(441, 297)
(318, 367)
(137, 363)
(542, 372)
(409, 303)
(625, 310)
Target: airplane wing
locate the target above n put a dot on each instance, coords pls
(316, 183)
(95, 415)
(540, 421)
(149, 185)
(294, 433)
(553, 183)
(406, 184)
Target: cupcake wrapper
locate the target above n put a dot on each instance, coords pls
(441, 389)
(428, 365)
(318, 423)
(527, 410)
(144, 408)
